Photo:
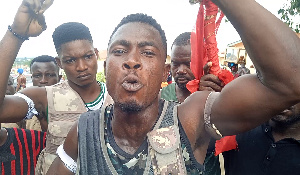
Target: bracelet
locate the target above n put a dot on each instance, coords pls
(17, 35)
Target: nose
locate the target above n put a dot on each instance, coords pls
(81, 65)
(44, 80)
(181, 70)
(133, 62)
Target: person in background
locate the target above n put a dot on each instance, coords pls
(21, 80)
(44, 72)
(182, 74)
(271, 148)
(243, 70)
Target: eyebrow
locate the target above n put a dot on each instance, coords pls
(146, 43)
(85, 54)
(128, 43)
(121, 42)
(182, 62)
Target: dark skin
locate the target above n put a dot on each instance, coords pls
(255, 103)
(77, 58)
(3, 133)
(182, 73)
(44, 74)
(286, 124)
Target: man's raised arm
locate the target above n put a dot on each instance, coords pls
(275, 51)
(29, 21)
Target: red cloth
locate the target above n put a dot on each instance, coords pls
(204, 45)
(225, 144)
(197, 45)
(204, 49)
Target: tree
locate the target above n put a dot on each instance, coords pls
(290, 10)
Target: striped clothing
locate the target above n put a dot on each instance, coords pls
(96, 104)
(19, 154)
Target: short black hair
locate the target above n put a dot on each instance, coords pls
(142, 18)
(44, 59)
(70, 31)
(182, 39)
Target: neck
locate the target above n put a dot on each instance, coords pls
(88, 93)
(281, 131)
(182, 94)
(130, 129)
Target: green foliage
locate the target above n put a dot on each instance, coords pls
(101, 77)
(22, 61)
(288, 11)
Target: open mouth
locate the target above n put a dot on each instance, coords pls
(131, 84)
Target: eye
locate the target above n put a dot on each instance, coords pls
(36, 75)
(89, 56)
(188, 65)
(119, 52)
(50, 75)
(148, 53)
(175, 64)
(69, 61)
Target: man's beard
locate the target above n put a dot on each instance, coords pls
(181, 86)
(287, 122)
(130, 107)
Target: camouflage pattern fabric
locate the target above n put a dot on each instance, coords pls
(165, 152)
(64, 107)
(176, 159)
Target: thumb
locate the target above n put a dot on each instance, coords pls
(45, 6)
(207, 67)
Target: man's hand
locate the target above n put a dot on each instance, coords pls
(210, 82)
(29, 20)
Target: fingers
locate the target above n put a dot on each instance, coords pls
(38, 6)
(211, 81)
(212, 78)
(33, 5)
(46, 4)
(42, 22)
(202, 88)
(209, 86)
(207, 67)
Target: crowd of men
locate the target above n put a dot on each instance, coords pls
(130, 125)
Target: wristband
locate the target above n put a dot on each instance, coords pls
(17, 35)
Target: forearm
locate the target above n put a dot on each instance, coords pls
(9, 48)
(57, 168)
(18, 87)
(269, 42)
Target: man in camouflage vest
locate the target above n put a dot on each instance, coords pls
(62, 103)
(141, 134)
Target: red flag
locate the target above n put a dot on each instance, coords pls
(204, 48)
(204, 45)
(225, 144)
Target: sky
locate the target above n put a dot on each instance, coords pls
(175, 17)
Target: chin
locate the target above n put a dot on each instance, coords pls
(286, 120)
(181, 86)
(129, 107)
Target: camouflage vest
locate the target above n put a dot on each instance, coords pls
(164, 152)
(64, 107)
